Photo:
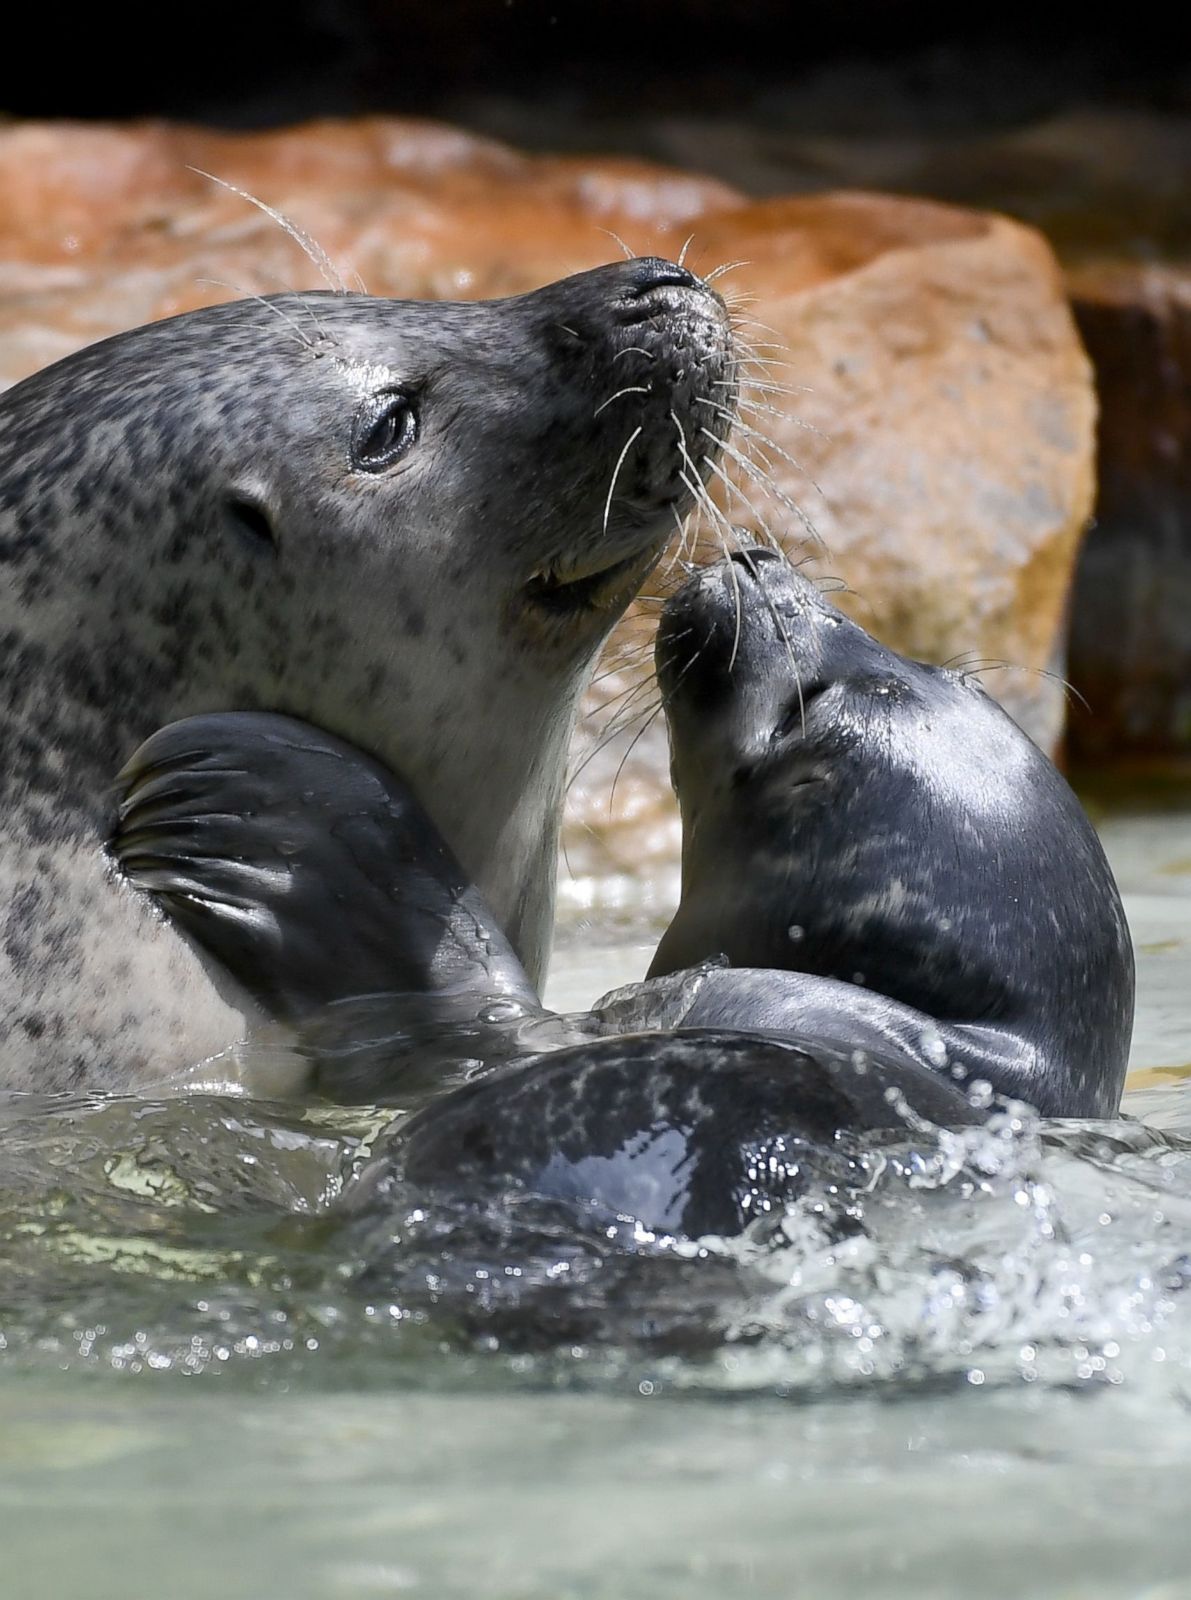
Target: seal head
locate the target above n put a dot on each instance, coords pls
(411, 523)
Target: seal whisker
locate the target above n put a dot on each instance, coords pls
(717, 518)
(766, 534)
(1065, 684)
(752, 347)
(739, 603)
(686, 535)
(249, 294)
(637, 737)
(747, 359)
(762, 441)
(676, 545)
(760, 407)
(697, 487)
(628, 445)
(737, 424)
(608, 734)
(766, 327)
(683, 251)
(613, 731)
(763, 406)
(722, 271)
(635, 704)
(626, 694)
(763, 444)
(635, 350)
(628, 712)
(629, 255)
(968, 656)
(634, 388)
(310, 248)
(621, 663)
(761, 386)
(767, 484)
(714, 515)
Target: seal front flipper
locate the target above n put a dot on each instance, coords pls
(305, 867)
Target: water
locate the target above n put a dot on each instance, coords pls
(208, 1387)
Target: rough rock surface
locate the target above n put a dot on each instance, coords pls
(941, 413)
(1108, 188)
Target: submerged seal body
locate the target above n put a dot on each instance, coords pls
(411, 523)
(689, 1133)
(883, 850)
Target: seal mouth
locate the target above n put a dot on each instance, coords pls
(597, 589)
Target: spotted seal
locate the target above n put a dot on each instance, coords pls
(412, 523)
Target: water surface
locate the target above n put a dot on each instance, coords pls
(207, 1387)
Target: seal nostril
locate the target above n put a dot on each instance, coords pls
(752, 558)
(651, 272)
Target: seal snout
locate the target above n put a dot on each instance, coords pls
(755, 556)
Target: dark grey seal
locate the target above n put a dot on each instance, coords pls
(882, 832)
(410, 523)
(689, 1133)
(910, 891)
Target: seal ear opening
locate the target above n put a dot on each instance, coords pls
(251, 521)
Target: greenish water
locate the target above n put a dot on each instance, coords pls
(208, 1388)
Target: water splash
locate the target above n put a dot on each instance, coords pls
(209, 1236)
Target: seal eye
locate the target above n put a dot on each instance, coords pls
(385, 428)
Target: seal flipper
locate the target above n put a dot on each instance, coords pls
(303, 866)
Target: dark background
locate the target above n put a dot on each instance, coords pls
(847, 67)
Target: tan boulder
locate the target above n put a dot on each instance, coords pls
(1108, 188)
